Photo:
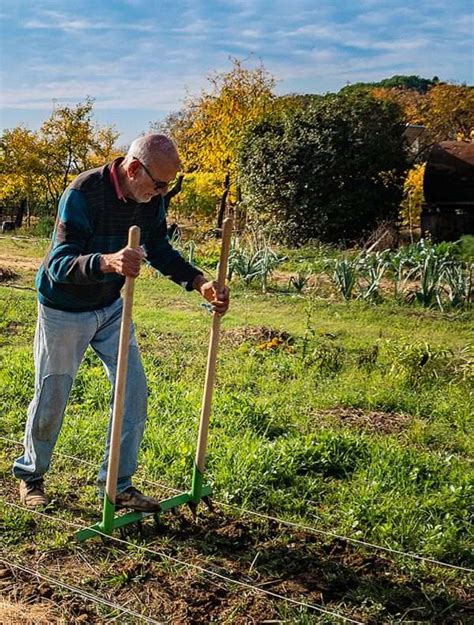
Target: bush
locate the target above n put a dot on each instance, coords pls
(331, 171)
(44, 227)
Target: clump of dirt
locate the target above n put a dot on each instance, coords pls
(7, 274)
(255, 335)
(370, 420)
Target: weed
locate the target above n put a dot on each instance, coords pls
(329, 357)
(15, 525)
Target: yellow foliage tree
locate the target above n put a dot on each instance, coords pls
(37, 166)
(450, 112)
(209, 128)
(199, 196)
(20, 167)
(413, 197)
(72, 143)
(446, 110)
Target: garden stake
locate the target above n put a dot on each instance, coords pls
(198, 490)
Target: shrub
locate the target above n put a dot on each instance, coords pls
(331, 171)
(44, 227)
(413, 196)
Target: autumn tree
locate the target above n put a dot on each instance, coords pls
(21, 169)
(39, 165)
(449, 112)
(446, 110)
(413, 197)
(71, 143)
(209, 128)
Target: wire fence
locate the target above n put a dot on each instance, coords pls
(307, 528)
(80, 592)
(191, 565)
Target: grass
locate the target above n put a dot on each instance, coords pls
(280, 441)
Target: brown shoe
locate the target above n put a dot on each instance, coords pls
(32, 494)
(134, 499)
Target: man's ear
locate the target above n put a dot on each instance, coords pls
(132, 168)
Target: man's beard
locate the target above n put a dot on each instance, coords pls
(143, 198)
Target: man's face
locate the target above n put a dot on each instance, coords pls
(146, 182)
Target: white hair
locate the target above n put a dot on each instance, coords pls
(150, 147)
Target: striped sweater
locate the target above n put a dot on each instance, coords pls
(92, 221)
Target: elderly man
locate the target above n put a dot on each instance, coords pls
(78, 288)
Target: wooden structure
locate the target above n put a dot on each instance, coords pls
(448, 185)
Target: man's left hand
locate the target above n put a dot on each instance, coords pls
(215, 295)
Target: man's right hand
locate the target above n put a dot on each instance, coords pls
(125, 262)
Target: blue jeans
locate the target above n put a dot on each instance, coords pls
(61, 340)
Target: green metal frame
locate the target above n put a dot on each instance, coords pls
(111, 522)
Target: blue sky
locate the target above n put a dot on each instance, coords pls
(139, 58)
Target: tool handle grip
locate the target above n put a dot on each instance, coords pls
(134, 237)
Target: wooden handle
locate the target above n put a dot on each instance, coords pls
(212, 353)
(121, 377)
(225, 248)
(134, 237)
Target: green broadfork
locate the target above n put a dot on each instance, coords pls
(198, 491)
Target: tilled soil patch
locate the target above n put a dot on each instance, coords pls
(370, 420)
(254, 335)
(160, 572)
(169, 585)
(7, 274)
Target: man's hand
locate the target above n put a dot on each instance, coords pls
(218, 297)
(126, 262)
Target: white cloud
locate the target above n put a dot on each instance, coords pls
(67, 25)
(148, 62)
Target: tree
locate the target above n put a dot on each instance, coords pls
(71, 143)
(446, 110)
(329, 172)
(21, 168)
(198, 197)
(39, 165)
(399, 81)
(209, 128)
(449, 112)
(413, 197)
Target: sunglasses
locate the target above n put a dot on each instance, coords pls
(158, 184)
